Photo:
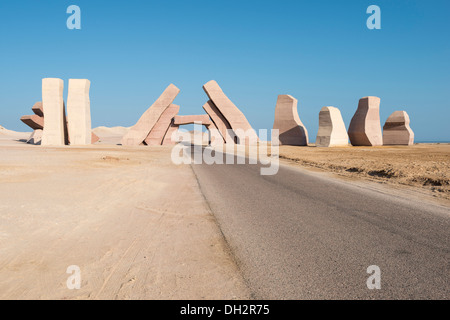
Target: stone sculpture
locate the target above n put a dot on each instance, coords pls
(396, 130)
(36, 137)
(94, 138)
(167, 140)
(137, 133)
(365, 127)
(156, 135)
(235, 118)
(79, 112)
(183, 120)
(291, 129)
(332, 131)
(219, 120)
(38, 109)
(200, 119)
(53, 103)
(34, 121)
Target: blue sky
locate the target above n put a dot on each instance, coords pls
(320, 52)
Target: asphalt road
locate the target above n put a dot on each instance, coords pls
(303, 235)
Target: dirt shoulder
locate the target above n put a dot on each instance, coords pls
(422, 166)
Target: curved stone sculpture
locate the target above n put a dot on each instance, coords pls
(53, 103)
(137, 133)
(236, 119)
(168, 136)
(156, 135)
(365, 127)
(396, 130)
(36, 137)
(219, 120)
(332, 131)
(79, 112)
(291, 129)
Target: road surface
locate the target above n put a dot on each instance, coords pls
(304, 235)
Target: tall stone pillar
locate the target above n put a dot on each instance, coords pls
(53, 105)
(79, 112)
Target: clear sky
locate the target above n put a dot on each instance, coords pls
(320, 52)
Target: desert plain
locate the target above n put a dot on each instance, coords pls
(135, 224)
(138, 226)
(423, 167)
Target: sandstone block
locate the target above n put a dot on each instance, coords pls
(79, 112)
(183, 120)
(156, 135)
(365, 127)
(332, 131)
(137, 133)
(219, 120)
(291, 129)
(396, 130)
(94, 138)
(38, 109)
(36, 137)
(34, 121)
(168, 136)
(53, 104)
(231, 113)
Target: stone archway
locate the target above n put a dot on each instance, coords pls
(202, 119)
(157, 124)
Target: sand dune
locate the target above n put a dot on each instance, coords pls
(107, 135)
(6, 132)
(10, 137)
(108, 131)
(110, 135)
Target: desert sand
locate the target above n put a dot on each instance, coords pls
(137, 225)
(422, 167)
(111, 136)
(10, 137)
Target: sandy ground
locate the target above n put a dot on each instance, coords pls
(423, 167)
(136, 225)
(12, 138)
(112, 136)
